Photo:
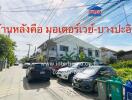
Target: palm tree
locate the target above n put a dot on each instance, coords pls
(68, 57)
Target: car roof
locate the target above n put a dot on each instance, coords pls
(99, 66)
(26, 63)
(80, 62)
(38, 63)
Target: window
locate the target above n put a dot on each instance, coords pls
(38, 66)
(63, 48)
(108, 70)
(90, 52)
(53, 48)
(103, 69)
(97, 53)
(61, 54)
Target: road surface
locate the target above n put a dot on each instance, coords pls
(14, 86)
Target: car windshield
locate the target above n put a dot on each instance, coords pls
(91, 70)
(75, 65)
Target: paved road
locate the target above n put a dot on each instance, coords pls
(14, 86)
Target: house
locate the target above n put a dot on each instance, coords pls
(107, 54)
(55, 48)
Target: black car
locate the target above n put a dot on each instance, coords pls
(38, 71)
(26, 65)
(86, 80)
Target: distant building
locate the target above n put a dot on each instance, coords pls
(55, 48)
(107, 54)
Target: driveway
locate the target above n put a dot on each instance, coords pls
(14, 86)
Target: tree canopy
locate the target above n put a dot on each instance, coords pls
(7, 49)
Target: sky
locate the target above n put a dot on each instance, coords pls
(66, 12)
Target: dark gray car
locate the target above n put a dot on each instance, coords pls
(86, 80)
(38, 71)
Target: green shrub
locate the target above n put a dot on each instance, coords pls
(124, 73)
(122, 64)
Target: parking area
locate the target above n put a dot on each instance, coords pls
(14, 86)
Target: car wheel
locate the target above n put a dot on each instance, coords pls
(48, 79)
(70, 78)
(73, 86)
(95, 88)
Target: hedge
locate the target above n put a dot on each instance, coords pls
(122, 64)
(124, 73)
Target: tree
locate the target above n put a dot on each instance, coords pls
(25, 59)
(89, 59)
(82, 56)
(40, 58)
(7, 49)
(120, 53)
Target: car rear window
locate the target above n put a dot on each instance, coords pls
(38, 66)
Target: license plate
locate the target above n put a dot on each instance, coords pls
(42, 72)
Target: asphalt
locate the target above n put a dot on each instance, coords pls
(14, 86)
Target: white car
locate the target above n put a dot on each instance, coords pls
(67, 73)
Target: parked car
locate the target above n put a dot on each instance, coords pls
(67, 73)
(26, 65)
(38, 71)
(56, 67)
(16, 64)
(86, 80)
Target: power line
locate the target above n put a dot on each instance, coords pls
(51, 15)
(28, 6)
(39, 10)
(125, 14)
(114, 25)
(102, 33)
(42, 20)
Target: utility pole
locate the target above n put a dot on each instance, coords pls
(48, 47)
(29, 50)
(35, 51)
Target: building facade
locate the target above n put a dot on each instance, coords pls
(56, 48)
(107, 54)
